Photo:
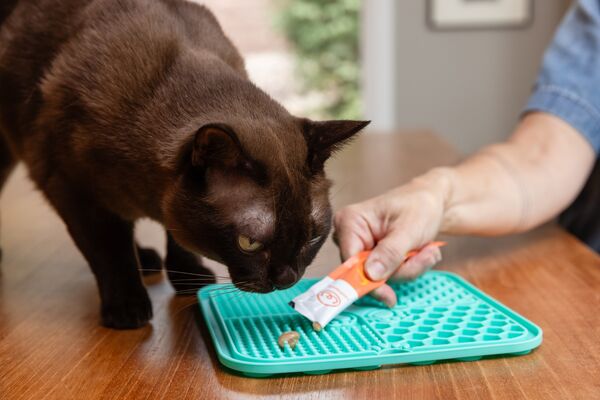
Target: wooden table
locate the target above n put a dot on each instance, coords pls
(51, 346)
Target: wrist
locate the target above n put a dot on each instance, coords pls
(441, 182)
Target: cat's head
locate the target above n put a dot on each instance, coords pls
(255, 197)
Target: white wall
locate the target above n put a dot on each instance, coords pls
(468, 86)
(378, 53)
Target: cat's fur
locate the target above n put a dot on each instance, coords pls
(123, 109)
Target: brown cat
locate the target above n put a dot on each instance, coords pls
(123, 109)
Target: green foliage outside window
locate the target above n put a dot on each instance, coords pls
(325, 36)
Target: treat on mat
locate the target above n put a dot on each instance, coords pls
(289, 337)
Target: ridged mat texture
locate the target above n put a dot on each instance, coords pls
(438, 317)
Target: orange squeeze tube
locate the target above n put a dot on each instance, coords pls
(344, 285)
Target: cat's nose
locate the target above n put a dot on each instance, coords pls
(285, 278)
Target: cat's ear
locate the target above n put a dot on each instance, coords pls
(325, 137)
(217, 145)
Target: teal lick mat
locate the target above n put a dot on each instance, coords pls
(439, 316)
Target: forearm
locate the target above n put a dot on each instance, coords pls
(518, 184)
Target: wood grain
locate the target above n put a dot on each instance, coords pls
(51, 346)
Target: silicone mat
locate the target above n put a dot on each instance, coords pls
(438, 317)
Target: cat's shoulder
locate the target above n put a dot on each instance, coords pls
(204, 31)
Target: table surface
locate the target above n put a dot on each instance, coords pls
(52, 347)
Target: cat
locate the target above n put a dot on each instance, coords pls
(125, 109)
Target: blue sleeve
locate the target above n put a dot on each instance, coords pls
(568, 84)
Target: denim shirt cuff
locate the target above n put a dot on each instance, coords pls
(569, 107)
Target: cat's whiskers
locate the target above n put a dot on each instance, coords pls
(181, 272)
(198, 280)
(240, 294)
(201, 280)
(231, 286)
(223, 292)
(232, 290)
(226, 286)
(220, 294)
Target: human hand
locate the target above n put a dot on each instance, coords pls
(405, 218)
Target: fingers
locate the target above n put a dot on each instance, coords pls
(386, 295)
(387, 256)
(419, 264)
(348, 243)
(352, 233)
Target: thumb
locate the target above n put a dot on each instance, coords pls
(387, 256)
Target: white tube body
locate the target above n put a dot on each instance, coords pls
(325, 300)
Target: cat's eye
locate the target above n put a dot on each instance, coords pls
(248, 245)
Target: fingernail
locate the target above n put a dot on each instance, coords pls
(390, 303)
(376, 270)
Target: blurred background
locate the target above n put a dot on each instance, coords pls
(460, 68)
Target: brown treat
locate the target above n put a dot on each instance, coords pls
(289, 337)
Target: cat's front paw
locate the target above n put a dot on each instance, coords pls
(130, 313)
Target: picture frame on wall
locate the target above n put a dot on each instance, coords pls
(479, 14)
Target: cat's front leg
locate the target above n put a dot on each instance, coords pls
(185, 270)
(150, 261)
(107, 243)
